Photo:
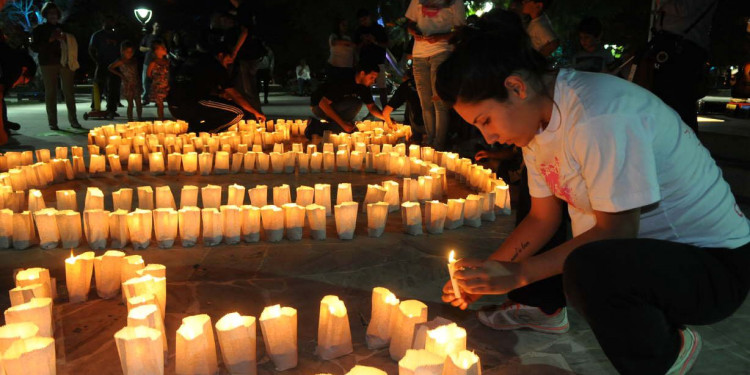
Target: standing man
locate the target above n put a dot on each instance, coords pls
(104, 49)
(148, 56)
(372, 41)
(247, 51)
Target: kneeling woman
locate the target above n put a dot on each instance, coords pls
(658, 239)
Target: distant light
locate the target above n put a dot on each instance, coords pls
(143, 15)
(488, 6)
(708, 119)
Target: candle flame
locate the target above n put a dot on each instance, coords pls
(274, 311)
(37, 193)
(452, 257)
(391, 299)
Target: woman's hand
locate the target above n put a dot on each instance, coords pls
(259, 117)
(475, 276)
(463, 302)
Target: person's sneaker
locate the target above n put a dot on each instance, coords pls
(12, 125)
(53, 127)
(691, 346)
(76, 125)
(512, 315)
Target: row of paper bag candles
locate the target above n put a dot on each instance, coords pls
(402, 326)
(26, 341)
(234, 221)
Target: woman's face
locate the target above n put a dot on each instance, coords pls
(514, 121)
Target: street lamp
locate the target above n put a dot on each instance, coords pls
(143, 15)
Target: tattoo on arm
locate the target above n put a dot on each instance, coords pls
(519, 249)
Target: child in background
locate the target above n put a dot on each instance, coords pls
(126, 68)
(158, 72)
(591, 57)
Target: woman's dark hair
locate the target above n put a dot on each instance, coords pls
(485, 56)
(49, 7)
(337, 26)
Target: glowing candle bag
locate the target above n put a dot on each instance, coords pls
(411, 218)
(294, 221)
(36, 275)
(259, 196)
(279, 327)
(66, 200)
(147, 316)
(316, 219)
(377, 215)
(212, 226)
(122, 199)
(140, 350)
(164, 198)
(250, 223)
(9, 333)
(165, 226)
(96, 228)
(69, 226)
(446, 340)
(455, 216)
(420, 362)
(145, 197)
(473, 211)
(272, 218)
(463, 363)
(375, 194)
(46, 225)
(410, 313)
(189, 219)
(384, 310)
(323, 197)
(189, 196)
(24, 233)
(78, 272)
(211, 196)
(365, 370)
(140, 225)
(37, 311)
(34, 355)
(236, 195)
(346, 219)
(334, 334)
(237, 339)
(305, 196)
(107, 270)
(281, 195)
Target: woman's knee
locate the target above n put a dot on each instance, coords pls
(585, 271)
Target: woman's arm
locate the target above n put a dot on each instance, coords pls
(240, 41)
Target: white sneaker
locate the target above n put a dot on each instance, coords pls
(691, 346)
(511, 315)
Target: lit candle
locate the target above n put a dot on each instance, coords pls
(342, 160)
(435, 212)
(323, 197)
(107, 269)
(24, 233)
(164, 198)
(290, 160)
(344, 193)
(424, 189)
(410, 313)
(16, 331)
(118, 229)
(384, 310)
(140, 225)
(392, 195)
(446, 340)
(249, 163)
(205, 163)
(455, 216)
(122, 199)
(238, 159)
(36, 201)
(46, 225)
(411, 218)
(236, 195)
(334, 334)
(165, 226)
(420, 362)
(294, 221)
(94, 199)
(129, 267)
(410, 190)
(346, 219)
(221, 164)
(33, 276)
(66, 200)
(451, 272)
(305, 196)
(259, 196)
(316, 161)
(473, 211)
(174, 161)
(211, 196)
(279, 327)
(147, 284)
(250, 223)
(273, 222)
(190, 163)
(329, 161)
(231, 224)
(304, 162)
(6, 228)
(212, 226)
(23, 294)
(281, 195)
(78, 272)
(37, 311)
(135, 164)
(316, 217)
(156, 163)
(189, 222)
(148, 316)
(97, 165)
(237, 339)
(145, 198)
(374, 194)
(34, 355)
(263, 162)
(462, 363)
(355, 160)
(377, 215)
(140, 350)
(502, 199)
(189, 196)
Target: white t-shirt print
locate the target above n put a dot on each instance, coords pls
(442, 21)
(613, 146)
(540, 31)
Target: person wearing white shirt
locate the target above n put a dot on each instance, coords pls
(303, 76)
(543, 38)
(659, 241)
(432, 23)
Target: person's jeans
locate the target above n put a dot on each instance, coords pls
(51, 74)
(109, 85)
(246, 82)
(146, 84)
(301, 84)
(434, 111)
(637, 293)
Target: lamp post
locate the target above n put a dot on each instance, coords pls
(143, 15)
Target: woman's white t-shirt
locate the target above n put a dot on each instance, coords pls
(435, 22)
(613, 146)
(341, 56)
